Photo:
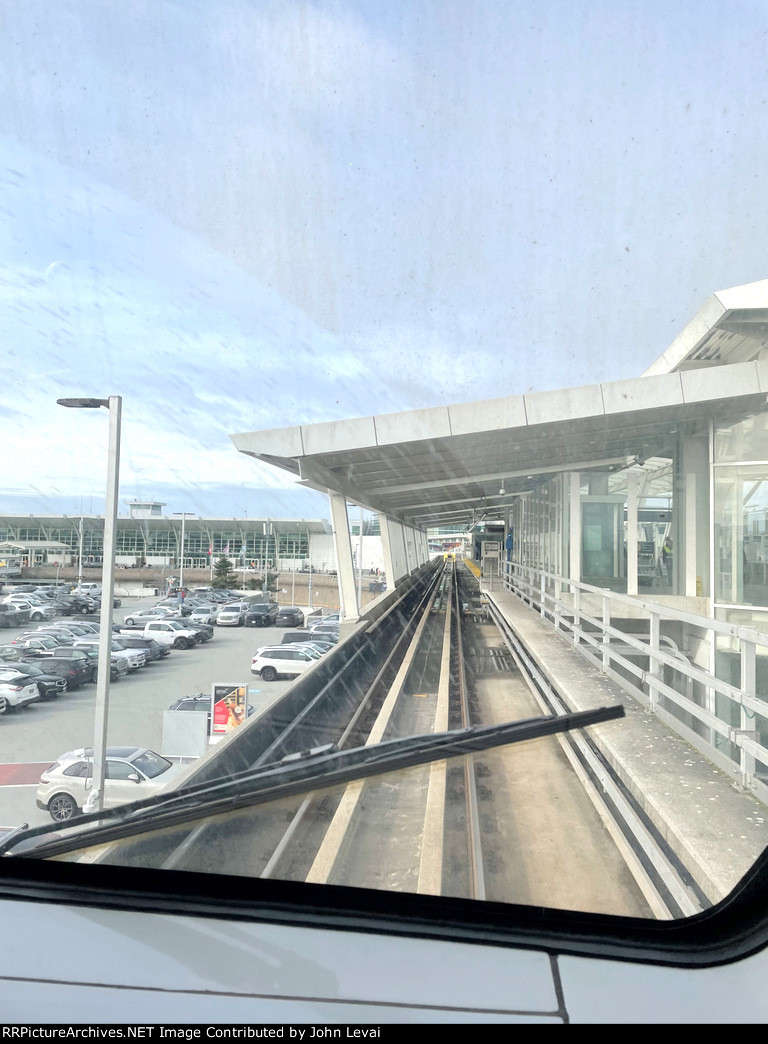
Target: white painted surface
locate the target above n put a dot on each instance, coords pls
(412, 425)
(488, 415)
(720, 382)
(642, 394)
(280, 973)
(613, 991)
(333, 436)
(564, 404)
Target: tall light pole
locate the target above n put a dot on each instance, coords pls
(114, 404)
(80, 555)
(181, 557)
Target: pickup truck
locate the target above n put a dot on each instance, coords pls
(169, 632)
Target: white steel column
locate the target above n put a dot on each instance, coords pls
(343, 546)
(423, 547)
(386, 548)
(410, 556)
(632, 501)
(393, 545)
(574, 570)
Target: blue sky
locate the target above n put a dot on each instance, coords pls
(260, 214)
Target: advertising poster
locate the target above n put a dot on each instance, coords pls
(230, 707)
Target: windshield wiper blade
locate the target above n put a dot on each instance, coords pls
(289, 777)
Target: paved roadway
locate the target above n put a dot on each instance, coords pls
(33, 737)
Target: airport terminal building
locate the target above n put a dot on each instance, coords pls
(148, 537)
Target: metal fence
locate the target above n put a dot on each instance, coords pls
(725, 718)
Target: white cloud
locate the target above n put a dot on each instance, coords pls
(103, 297)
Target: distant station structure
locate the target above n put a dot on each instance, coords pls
(146, 536)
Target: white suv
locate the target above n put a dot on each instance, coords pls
(17, 692)
(286, 660)
(233, 614)
(131, 773)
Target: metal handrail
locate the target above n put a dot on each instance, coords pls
(544, 592)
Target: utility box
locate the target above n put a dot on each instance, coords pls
(184, 735)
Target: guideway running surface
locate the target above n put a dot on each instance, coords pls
(530, 830)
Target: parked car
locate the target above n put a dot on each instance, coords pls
(71, 606)
(132, 773)
(40, 644)
(172, 603)
(11, 616)
(290, 616)
(204, 614)
(37, 610)
(96, 597)
(69, 630)
(308, 636)
(261, 614)
(286, 660)
(10, 654)
(118, 666)
(134, 658)
(309, 647)
(139, 617)
(50, 686)
(152, 648)
(75, 670)
(233, 614)
(17, 692)
(172, 633)
(325, 628)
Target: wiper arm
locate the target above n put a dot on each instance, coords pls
(288, 777)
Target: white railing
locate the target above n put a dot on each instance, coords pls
(583, 614)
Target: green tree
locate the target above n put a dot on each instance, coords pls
(222, 573)
(257, 583)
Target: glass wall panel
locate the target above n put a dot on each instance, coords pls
(747, 440)
(603, 530)
(741, 541)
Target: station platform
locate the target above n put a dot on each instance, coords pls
(717, 829)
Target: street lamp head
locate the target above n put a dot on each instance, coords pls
(83, 404)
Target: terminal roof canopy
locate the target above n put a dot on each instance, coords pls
(731, 327)
(429, 467)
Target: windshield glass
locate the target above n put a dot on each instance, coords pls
(151, 764)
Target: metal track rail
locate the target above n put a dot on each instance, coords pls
(459, 676)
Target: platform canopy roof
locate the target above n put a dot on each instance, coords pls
(435, 466)
(731, 327)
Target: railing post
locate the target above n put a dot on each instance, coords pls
(576, 615)
(542, 586)
(748, 687)
(556, 610)
(606, 634)
(655, 663)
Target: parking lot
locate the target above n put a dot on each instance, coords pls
(42, 731)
